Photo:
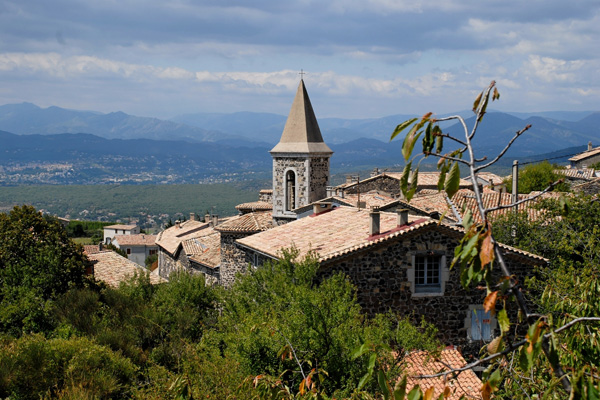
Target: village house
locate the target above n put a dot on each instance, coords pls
(586, 158)
(137, 247)
(112, 230)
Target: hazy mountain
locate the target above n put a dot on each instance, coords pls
(27, 119)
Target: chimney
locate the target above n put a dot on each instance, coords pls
(192, 216)
(207, 218)
(375, 172)
(215, 220)
(319, 208)
(348, 179)
(590, 145)
(374, 220)
(402, 217)
(100, 246)
(329, 191)
(177, 224)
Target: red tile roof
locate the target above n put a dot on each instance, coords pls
(421, 363)
(91, 249)
(126, 227)
(345, 230)
(112, 268)
(172, 237)
(585, 154)
(249, 223)
(135, 240)
(254, 206)
(205, 250)
(577, 173)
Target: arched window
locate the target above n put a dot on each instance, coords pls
(290, 191)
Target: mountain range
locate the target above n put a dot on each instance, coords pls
(196, 146)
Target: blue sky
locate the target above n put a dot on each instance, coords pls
(362, 58)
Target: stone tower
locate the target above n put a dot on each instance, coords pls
(300, 161)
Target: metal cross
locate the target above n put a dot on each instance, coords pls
(301, 73)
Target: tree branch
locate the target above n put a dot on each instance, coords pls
(499, 156)
(525, 200)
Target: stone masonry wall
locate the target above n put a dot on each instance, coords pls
(167, 263)
(383, 183)
(381, 278)
(233, 259)
(319, 178)
(280, 166)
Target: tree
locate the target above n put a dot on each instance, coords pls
(512, 353)
(38, 262)
(535, 177)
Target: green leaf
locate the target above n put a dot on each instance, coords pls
(414, 180)
(404, 179)
(415, 393)
(409, 142)
(401, 127)
(495, 378)
(503, 320)
(452, 180)
(400, 390)
(363, 380)
(383, 384)
(360, 350)
(371, 366)
(428, 140)
(439, 140)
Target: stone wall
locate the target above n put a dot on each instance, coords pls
(233, 259)
(319, 179)
(382, 183)
(168, 263)
(280, 166)
(381, 276)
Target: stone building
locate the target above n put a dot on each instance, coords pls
(137, 247)
(397, 261)
(300, 161)
(586, 158)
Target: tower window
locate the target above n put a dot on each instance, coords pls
(290, 191)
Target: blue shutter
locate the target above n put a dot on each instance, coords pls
(481, 325)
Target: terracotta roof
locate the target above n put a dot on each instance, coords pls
(489, 177)
(301, 133)
(255, 206)
(171, 238)
(135, 240)
(112, 268)
(585, 154)
(420, 363)
(251, 222)
(372, 198)
(126, 227)
(330, 233)
(266, 191)
(91, 249)
(577, 173)
(429, 179)
(436, 202)
(344, 230)
(205, 250)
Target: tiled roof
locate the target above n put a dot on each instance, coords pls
(112, 268)
(429, 179)
(344, 230)
(251, 222)
(372, 198)
(255, 206)
(266, 191)
(171, 238)
(421, 363)
(489, 177)
(577, 173)
(204, 250)
(585, 154)
(431, 203)
(91, 249)
(126, 227)
(135, 240)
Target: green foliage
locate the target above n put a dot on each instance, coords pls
(117, 250)
(38, 262)
(150, 260)
(536, 177)
(77, 229)
(32, 367)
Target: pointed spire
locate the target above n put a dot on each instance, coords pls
(301, 133)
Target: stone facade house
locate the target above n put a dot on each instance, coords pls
(397, 261)
(137, 247)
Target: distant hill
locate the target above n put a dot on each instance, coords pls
(27, 119)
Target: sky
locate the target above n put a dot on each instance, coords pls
(361, 58)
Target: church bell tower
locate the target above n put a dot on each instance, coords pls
(300, 161)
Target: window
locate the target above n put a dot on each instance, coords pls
(480, 324)
(128, 250)
(290, 191)
(427, 273)
(151, 252)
